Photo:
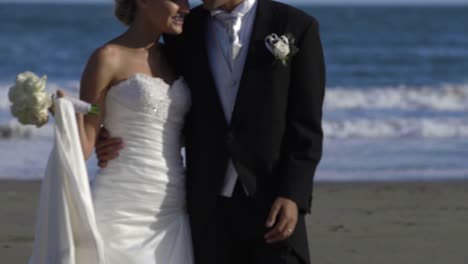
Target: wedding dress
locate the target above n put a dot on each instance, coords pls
(136, 210)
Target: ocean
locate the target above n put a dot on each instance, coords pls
(396, 107)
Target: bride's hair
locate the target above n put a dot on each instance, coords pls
(125, 11)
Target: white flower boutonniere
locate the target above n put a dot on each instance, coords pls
(282, 47)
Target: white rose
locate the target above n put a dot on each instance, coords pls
(281, 49)
(25, 118)
(41, 117)
(40, 100)
(29, 82)
(22, 77)
(14, 94)
(30, 116)
(26, 84)
(16, 110)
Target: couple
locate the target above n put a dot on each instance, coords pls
(250, 123)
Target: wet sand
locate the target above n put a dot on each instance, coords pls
(351, 223)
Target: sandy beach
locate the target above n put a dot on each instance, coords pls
(352, 223)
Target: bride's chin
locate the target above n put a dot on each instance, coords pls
(176, 30)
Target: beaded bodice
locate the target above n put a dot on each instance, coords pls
(151, 95)
(148, 114)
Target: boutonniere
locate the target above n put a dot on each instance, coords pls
(282, 47)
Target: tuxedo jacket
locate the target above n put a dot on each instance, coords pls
(275, 135)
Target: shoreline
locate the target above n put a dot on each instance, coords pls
(351, 222)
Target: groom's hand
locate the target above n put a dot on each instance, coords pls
(107, 148)
(282, 219)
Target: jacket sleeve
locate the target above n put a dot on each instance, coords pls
(302, 146)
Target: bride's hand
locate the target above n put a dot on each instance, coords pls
(59, 94)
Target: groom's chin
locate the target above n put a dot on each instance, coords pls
(208, 5)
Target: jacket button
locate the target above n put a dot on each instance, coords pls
(230, 137)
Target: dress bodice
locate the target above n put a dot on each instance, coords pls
(148, 114)
(151, 96)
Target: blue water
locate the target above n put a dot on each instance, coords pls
(397, 85)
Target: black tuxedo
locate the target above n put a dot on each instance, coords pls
(275, 135)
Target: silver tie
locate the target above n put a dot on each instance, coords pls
(232, 23)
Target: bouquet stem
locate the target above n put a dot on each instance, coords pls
(81, 107)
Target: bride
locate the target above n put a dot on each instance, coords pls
(139, 198)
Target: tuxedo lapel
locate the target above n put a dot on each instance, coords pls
(261, 28)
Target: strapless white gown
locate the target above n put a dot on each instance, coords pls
(138, 200)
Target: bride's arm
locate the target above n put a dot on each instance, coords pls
(95, 81)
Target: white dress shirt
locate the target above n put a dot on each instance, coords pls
(227, 73)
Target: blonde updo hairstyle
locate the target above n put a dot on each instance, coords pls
(125, 11)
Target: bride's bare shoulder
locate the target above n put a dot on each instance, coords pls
(105, 62)
(100, 71)
(108, 55)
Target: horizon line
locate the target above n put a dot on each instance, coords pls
(296, 2)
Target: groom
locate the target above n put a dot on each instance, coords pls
(253, 134)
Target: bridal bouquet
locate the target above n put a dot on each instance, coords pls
(31, 103)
